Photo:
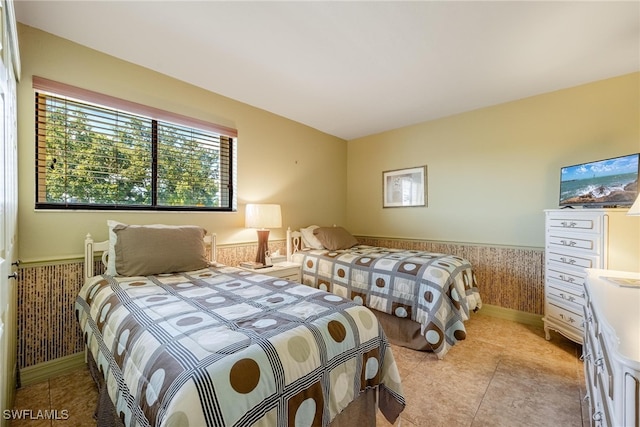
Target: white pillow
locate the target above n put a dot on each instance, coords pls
(111, 257)
(309, 240)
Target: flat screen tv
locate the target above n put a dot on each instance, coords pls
(603, 183)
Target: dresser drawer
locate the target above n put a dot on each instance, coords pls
(590, 348)
(591, 388)
(568, 294)
(283, 270)
(574, 222)
(294, 277)
(603, 412)
(583, 242)
(567, 275)
(566, 258)
(288, 273)
(565, 315)
(604, 368)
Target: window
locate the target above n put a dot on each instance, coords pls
(98, 152)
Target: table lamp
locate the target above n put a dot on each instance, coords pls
(263, 217)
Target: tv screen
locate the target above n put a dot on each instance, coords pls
(610, 182)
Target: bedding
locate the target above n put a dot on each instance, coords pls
(309, 239)
(222, 346)
(360, 413)
(438, 291)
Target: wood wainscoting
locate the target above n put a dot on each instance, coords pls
(510, 280)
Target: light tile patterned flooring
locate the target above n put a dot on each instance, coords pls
(503, 374)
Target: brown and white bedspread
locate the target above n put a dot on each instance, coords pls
(223, 347)
(436, 290)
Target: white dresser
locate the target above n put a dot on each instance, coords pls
(577, 239)
(611, 349)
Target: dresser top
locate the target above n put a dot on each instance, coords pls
(618, 307)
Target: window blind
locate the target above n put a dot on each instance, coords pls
(100, 157)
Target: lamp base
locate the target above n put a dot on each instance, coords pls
(263, 245)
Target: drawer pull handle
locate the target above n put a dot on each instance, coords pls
(568, 279)
(568, 260)
(597, 416)
(568, 243)
(568, 319)
(569, 298)
(568, 224)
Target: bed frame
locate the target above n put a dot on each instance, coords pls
(91, 247)
(294, 242)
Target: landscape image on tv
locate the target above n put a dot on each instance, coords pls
(604, 182)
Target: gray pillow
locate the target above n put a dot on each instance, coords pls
(144, 251)
(334, 238)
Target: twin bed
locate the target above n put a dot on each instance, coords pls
(422, 299)
(175, 339)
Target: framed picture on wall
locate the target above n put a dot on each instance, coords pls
(404, 187)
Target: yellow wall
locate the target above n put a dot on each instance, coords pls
(492, 171)
(279, 161)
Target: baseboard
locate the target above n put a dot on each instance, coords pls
(511, 314)
(53, 368)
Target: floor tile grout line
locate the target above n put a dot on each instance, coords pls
(484, 395)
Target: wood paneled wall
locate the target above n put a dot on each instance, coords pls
(47, 328)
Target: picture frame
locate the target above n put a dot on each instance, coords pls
(404, 187)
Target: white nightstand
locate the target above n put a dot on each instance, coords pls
(285, 270)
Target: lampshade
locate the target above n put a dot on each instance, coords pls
(635, 208)
(262, 216)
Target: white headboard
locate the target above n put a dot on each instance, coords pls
(294, 243)
(91, 247)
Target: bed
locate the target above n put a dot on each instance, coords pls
(220, 346)
(422, 299)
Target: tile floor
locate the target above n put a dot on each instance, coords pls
(503, 374)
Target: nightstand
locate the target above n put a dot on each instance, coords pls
(284, 270)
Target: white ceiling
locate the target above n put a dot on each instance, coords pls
(352, 69)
